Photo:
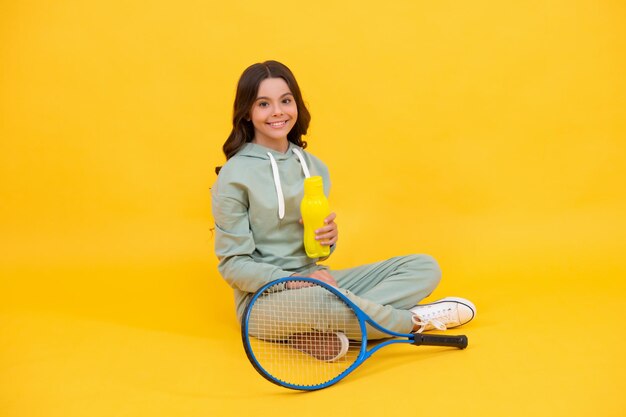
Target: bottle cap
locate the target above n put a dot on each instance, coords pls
(313, 185)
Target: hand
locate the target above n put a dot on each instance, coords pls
(321, 275)
(329, 233)
(324, 276)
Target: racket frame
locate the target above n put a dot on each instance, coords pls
(362, 318)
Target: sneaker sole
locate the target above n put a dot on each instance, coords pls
(345, 345)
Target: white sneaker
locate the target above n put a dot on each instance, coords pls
(324, 346)
(443, 314)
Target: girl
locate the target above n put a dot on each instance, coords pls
(259, 235)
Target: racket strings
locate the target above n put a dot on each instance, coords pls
(323, 346)
(304, 337)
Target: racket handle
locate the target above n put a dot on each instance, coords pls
(459, 341)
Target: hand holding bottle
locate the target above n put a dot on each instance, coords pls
(329, 233)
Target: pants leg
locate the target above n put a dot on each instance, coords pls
(277, 316)
(383, 290)
(386, 290)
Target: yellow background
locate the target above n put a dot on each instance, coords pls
(491, 135)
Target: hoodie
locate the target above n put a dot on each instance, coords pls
(256, 207)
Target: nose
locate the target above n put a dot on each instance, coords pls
(278, 110)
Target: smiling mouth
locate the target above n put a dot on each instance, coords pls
(278, 124)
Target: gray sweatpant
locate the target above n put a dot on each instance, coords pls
(385, 290)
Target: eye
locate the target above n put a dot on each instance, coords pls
(263, 104)
(287, 100)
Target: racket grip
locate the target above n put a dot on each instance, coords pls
(459, 341)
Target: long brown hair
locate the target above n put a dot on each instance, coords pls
(247, 89)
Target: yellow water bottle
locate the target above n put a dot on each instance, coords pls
(314, 209)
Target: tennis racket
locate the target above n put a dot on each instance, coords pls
(312, 336)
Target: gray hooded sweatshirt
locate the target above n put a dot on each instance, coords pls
(256, 207)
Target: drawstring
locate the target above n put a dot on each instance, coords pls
(279, 189)
(305, 168)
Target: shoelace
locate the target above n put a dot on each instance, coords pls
(435, 322)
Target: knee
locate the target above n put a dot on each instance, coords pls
(428, 270)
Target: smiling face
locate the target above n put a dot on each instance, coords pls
(273, 114)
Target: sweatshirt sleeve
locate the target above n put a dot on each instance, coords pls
(234, 246)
